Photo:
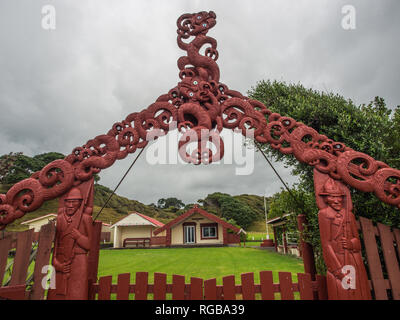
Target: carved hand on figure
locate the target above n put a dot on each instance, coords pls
(339, 274)
(66, 267)
(346, 244)
(75, 234)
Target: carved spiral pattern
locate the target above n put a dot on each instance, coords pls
(200, 103)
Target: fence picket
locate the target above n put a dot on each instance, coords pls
(286, 285)
(178, 287)
(305, 286)
(123, 286)
(196, 288)
(210, 289)
(322, 288)
(267, 285)
(142, 279)
(5, 246)
(374, 264)
(22, 255)
(396, 233)
(248, 292)
(229, 287)
(46, 238)
(389, 254)
(93, 257)
(160, 286)
(105, 288)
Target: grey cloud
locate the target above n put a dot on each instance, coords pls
(60, 88)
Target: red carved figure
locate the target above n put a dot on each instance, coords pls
(73, 239)
(341, 245)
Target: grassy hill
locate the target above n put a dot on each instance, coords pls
(119, 206)
(245, 209)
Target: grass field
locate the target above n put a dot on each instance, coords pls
(258, 236)
(205, 263)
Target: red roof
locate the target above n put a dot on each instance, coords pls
(192, 211)
(152, 220)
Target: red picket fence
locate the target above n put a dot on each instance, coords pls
(199, 289)
(381, 243)
(383, 261)
(30, 247)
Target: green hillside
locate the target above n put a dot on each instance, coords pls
(118, 207)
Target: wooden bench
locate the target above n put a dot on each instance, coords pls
(137, 242)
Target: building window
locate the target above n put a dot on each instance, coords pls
(209, 231)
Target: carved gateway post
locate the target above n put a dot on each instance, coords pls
(346, 275)
(200, 106)
(72, 244)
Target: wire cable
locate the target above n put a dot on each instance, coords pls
(122, 179)
(299, 204)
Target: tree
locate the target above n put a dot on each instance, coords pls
(231, 208)
(6, 163)
(21, 166)
(170, 202)
(370, 128)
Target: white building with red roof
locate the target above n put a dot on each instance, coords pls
(38, 222)
(136, 229)
(195, 227)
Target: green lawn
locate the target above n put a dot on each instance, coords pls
(258, 236)
(205, 263)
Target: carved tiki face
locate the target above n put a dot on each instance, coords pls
(335, 202)
(333, 194)
(73, 201)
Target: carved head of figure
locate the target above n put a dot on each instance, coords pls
(334, 194)
(196, 23)
(73, 201)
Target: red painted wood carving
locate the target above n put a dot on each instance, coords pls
(72, 244)
(346, 275)
(200, 103)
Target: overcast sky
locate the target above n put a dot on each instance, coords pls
(106, 59)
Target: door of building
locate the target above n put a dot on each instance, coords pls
(189, 235)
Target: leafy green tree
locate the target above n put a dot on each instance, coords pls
(48, 157)
(23, 166)
(6, 163)
(370, 128)
(170, 202)
(231, 208)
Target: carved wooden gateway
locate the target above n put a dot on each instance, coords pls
(200, 106)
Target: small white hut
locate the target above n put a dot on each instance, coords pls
(136, 229)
